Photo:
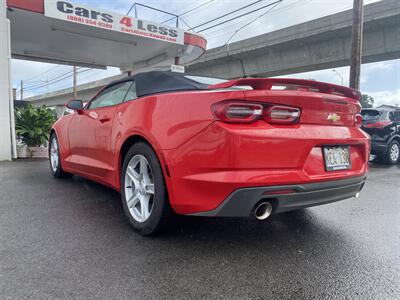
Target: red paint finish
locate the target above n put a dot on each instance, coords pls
(195, 40)
(205, 159)
(30, 5)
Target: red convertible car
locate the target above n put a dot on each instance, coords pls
(176, 143)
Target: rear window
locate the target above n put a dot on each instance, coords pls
(206, 80)
(372, 115)
(212, 81)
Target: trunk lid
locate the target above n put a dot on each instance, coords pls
(320, 103)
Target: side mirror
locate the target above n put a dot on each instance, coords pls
(75, 104)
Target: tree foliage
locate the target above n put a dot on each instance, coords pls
(33, 124)
(367, 101)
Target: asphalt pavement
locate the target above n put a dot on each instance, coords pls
(69, 239)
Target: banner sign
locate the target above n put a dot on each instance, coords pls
(67, 11)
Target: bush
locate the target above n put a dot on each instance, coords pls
(33, 124)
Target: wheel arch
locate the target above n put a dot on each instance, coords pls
(52, 131)
(128, 143)
(395, 137)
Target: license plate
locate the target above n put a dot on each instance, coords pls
(337, 158)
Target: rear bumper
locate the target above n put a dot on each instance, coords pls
(241, 202)
(378, 148)
(224, 158)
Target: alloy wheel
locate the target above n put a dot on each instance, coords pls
(54, 154)
(394, 152)
(139, 188)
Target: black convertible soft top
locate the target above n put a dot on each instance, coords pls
(155, 82)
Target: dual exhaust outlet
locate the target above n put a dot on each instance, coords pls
(263, 210)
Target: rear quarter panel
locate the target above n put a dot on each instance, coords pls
(168, 120)
(165, 120)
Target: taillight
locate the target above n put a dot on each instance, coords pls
(377, 124)
(237, 112)
(242, 112)
(278, 114)
(358, 120)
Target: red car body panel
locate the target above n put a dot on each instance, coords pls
(233, 158)
(205, 160)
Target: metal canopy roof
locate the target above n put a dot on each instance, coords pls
(39, 33)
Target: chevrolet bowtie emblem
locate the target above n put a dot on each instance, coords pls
(333, 117)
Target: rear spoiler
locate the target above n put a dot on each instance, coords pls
(299, 84)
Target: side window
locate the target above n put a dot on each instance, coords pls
(397, 116)
(111, 96)
(131, 95)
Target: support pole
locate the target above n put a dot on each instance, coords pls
(12, 116)
(356, 44)
(74, 85)
(5, 86)
(21, 88)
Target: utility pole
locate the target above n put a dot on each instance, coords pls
(21, 88)
(356, 44)
(340, 76)
(74, 87)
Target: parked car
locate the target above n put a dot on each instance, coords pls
(383, 125)
(176, 143)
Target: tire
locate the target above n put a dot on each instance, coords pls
(392, 155)
(55, 160)
(143, 191)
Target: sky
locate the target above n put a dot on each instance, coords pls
(380, 80)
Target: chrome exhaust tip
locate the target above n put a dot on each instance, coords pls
(263, 210)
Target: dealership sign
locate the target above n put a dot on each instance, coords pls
(67, 11)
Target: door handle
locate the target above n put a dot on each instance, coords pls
(104, 119)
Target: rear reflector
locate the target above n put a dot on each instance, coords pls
(279, 192)
(245, 112)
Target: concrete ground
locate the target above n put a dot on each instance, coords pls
(70, 239)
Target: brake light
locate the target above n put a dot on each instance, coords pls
(358, 120)
(242, 112)
(278, 114)
(377, 124)
(237, 112)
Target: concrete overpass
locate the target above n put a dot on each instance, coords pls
(319, 44)
(84, 91)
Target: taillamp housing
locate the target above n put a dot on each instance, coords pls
(358, 120)
(237, 112)
(248, 112)
(280, 114)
